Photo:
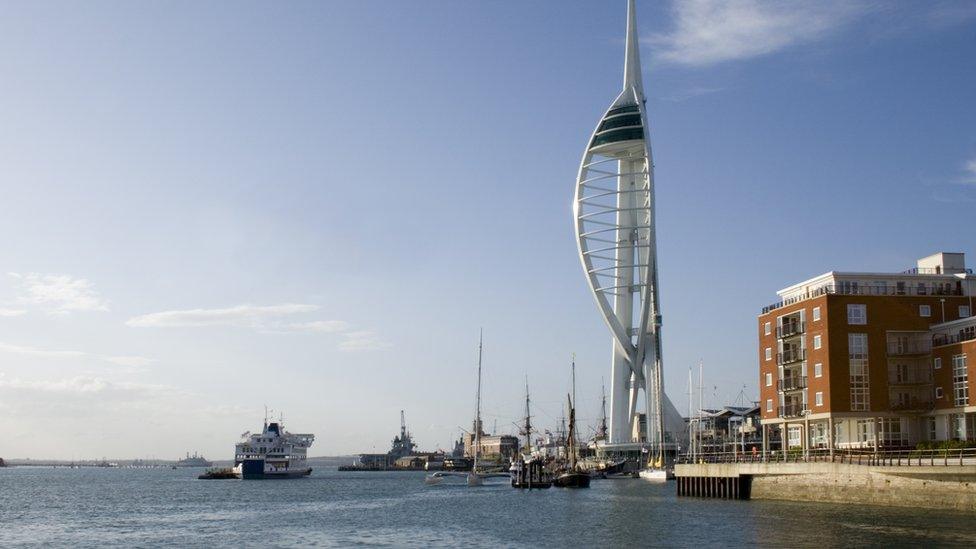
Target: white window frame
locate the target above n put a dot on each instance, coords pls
(818, 369)
(817, 342)
(818, 398)
(768, 328)
(925, 311)
(769, 405)
(857, 319)
(964, 311)
(937, 363)
(816, 314)
(769, 379)
(939, 393)
(769, 354)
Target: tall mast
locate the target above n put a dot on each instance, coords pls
(571, 439)
(527, 429)
(477, 415)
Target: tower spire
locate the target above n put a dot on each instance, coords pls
(632, 66)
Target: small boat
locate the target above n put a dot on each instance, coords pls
(653, 475)
(221, 473)
(572, 479)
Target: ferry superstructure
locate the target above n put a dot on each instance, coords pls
(274, 453)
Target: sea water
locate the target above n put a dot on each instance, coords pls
(92, 507)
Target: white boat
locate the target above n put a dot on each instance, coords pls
(473, 478)
(275, 453)
(653, 475)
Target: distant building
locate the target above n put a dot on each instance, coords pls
(719, 430)
(865, 360)
(493, 447)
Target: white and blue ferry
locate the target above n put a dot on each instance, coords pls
(275, 453)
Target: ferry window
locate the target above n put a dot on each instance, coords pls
(816, 314)
(925, 310)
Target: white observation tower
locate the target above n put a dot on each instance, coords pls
(614, 215)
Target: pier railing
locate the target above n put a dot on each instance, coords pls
(888, 458)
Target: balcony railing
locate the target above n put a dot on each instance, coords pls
(792, 383)
(913, 347)
(790, 329)
(948, 339)
(868, 289)
(936, 270)
(792, 410)
(791, 355)
(915, 405)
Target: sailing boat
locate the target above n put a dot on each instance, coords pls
(475, 478)
(573, 477)
(655, 470)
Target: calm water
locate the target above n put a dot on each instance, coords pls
(122, 507)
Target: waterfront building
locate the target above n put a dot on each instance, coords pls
(870, 360)
(614, 218)
(493, 447)
(724, 429)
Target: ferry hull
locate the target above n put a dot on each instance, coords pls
(254, 469)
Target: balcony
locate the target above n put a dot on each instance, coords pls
(789, 329)
(916, 374)
(794, 383)
(789, 356)
(910, 347)
(792, 410)
(939, 340)
(913, 406)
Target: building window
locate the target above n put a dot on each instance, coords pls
(794, 438)
(930, 425)
(768, 328)
(816, 342)
(960, 381)
(964, 311)
(938, 392)
(925, 310)
(857, 345)
(816, 314)
(819, 398)
(769, 405)
(769, 353)
(936, 363)
(818, 370)
(865, 431)
(769, 380)
(857, 314)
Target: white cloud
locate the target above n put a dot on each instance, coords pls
(127, 361)
(253, 316)
(11, 312)
(713, 31)
(59, 294)
(970, 169)
(323, 326)
(363, 340)
(695, 91)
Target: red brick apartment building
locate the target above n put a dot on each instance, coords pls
(865, 360)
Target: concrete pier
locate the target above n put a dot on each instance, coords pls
(928, 486)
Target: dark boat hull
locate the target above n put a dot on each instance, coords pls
(253, 469)
(572, 480)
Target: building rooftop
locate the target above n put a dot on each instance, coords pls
(937, 274)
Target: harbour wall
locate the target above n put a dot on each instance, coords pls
(934, 487)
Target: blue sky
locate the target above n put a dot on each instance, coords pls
(315, 206)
